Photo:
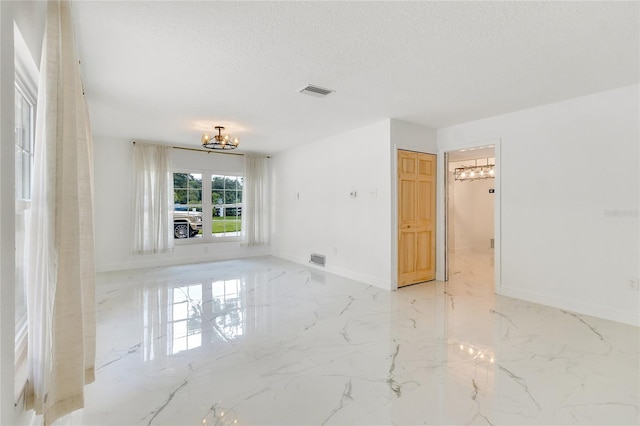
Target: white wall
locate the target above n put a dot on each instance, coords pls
(569, 202)
(314, 212)
(29, 18)
(470, 209)
(413, 137)
(471, 215)
(113, 209)
(313, 209)
(7, 259)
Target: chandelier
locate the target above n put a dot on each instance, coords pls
(219, 141)
(475, 172)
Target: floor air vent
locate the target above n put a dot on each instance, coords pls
(318, 259)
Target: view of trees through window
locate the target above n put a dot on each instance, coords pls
(188, 189)
(193, 215)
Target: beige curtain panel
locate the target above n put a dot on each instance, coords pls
(153, 199)
(256, 208)
(61, 265)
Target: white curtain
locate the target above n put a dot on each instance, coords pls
(256, 196)
(60, 264)
(153, 203)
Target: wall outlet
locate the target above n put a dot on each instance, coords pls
(633, 284)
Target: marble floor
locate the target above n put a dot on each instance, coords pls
(266, 342)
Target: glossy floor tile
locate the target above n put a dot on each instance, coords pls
(267, 342)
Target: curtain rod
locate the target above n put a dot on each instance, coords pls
(205, 150)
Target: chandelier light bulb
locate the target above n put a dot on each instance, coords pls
(474, 172)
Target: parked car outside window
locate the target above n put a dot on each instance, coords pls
(186, 223)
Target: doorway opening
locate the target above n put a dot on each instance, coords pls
(470, 215)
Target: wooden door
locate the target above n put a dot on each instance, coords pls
(416, 217)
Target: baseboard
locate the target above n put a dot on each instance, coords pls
(570, 305)
(346, 273)
(153, 263)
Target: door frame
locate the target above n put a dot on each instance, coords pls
(442, 214)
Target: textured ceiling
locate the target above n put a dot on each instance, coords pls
(166, 71)
(472, 153)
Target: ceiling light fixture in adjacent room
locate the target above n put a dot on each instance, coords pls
(475, 172)
(219, 141)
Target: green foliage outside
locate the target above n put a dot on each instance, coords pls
(227, 224)
(187, 190)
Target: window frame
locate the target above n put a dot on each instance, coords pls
(207, 207)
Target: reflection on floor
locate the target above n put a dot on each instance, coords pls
(267, 342)
(473, 265)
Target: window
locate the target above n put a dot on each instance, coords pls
(187, 212)
(24, 129)
(226, 197)
(207, 218)
(24, 117)
(26, 76)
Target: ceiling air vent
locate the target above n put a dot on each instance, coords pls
(316, 91)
